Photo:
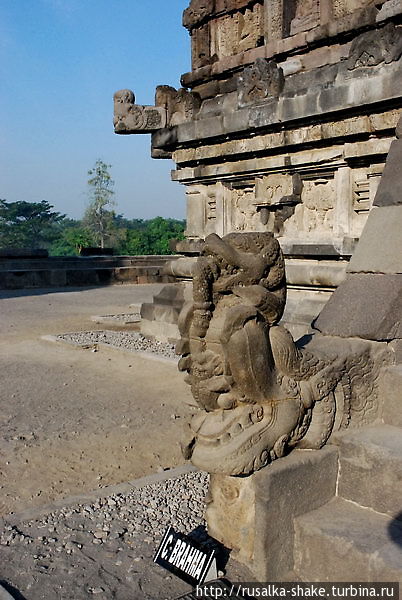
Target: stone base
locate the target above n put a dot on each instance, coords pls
(264, 507)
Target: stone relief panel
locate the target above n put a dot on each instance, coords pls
(341, 8)
(251, 28)
(259, 81)
(313, 218)
(244, 212)
(237, 32)
(318, 199)
(307, 16)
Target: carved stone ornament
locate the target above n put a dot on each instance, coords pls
(179, 105)
(197, 11)
(259, 81)
(259, 394)
(375, 47)
(134, 118)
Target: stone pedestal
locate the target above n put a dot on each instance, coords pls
(254, 516)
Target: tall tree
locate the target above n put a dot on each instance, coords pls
(98, 218)
(28, 224)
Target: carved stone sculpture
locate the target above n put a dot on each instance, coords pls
(134, 118)
(197, 11)
(180, 105)
(259, 393)
(375, 47)
(259, 81)
(172, 107)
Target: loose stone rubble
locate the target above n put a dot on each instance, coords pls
(124, 340)
(104, 547)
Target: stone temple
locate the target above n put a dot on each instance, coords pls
(287, 137)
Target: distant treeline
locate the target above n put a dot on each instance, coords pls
(35, 225)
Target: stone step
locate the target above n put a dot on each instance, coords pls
(391, 394)
(370, 468)
(343, 542)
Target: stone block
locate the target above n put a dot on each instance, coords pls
(370, 472)
(366, 305)
(207, 90)
(171, 295)
(391, 395)
(342, 542)
(58, 277)
(155, 312)
(209, 127)
(269, 500)
(380, 246)
(164, 332)
(18, 279)
(389, 191)
(385, 120)
(82, 277)
(166, 137)
(184, 132)
(282, 493)
(396, 348)
(389, 9)
(125, 274)
(315, 272)
(232, 500)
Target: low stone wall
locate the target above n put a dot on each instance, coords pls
(19, 273)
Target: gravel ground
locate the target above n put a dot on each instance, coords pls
(125, 340)
(104, 548)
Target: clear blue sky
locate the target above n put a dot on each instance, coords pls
(60, 63)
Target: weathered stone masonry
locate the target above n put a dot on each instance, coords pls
(283, 125)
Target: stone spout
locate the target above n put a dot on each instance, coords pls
(134, 118)
(172, 107)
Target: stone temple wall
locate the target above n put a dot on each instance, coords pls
(283, 125)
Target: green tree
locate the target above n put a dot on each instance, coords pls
(72, 238)
(28, 224)
(151, 237)
(98, 218)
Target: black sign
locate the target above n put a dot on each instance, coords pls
(184, 557)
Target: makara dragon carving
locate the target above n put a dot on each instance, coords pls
(258, 392)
